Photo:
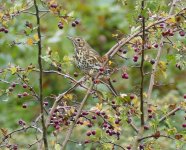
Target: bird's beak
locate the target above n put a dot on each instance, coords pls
(70, 38)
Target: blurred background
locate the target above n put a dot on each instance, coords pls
(100, 22)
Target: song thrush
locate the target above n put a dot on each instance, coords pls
(88, 60)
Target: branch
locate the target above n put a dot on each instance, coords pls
(41, 77)
(142, 63)
(76, 117)
(151, 84)
(60, 96)
(169, 114)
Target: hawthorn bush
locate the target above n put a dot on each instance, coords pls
(48, 103)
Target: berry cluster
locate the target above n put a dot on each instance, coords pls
(3, 29)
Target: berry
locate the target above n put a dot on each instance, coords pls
(101, 69)
(146, 127)
(24, 105)
(2, 29)
(10, 89)
(184, 96)
(89, 125)
(117, 121)
(129, 147)
(150, 116)
(24, 86)
(103, 113)
(73, 24)
(152, 61)
(25, 94)
(132, 96)
(45, 103)
(149, 110)
(13, 85)
(113, 102)
(94, 117)
(60, 25)
(93, 132)
(124, 51)
(156, 45)
(86, 141)
(77, 22)
(19, 95)
(75, 74)
(53, 5)
(88, 133)
(98, 113)
(6, 30)
(182, 33)
(125, 76)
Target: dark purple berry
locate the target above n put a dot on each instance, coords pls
(88, 133)
(24, 86)
(73, 24)
(24, 105)
(19, 95)
(93, 132)
(182, 33)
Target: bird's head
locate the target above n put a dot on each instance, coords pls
(77, 41)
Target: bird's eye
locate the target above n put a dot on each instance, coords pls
(78, 39)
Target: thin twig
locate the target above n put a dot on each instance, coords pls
(41, 77)
(141, 66)
(169, 114)
(155, 66)
(69, 132)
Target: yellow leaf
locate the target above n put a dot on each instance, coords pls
(99, 106)
(110, 62)
(171, 20)
(13, 70)
(4, 131)
(36, 38)
(68, 96)
(30, 41)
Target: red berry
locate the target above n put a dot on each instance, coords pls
(45, 103)
(88, 133)
(25, 94)
(2, 29)
(132, 96)
(19, 95)
(6, 30)
(101, 69)
(24, 86)
(184, 125)
(184, 96)
(86, 141)
(149, 110)
(53, 5)
(13, 85)
(125, 76)
(89, 125)
(156, 45)
(146, 127)
(182, 33)
(93, 132)
(94, 117)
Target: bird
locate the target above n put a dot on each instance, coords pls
(89, 60)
